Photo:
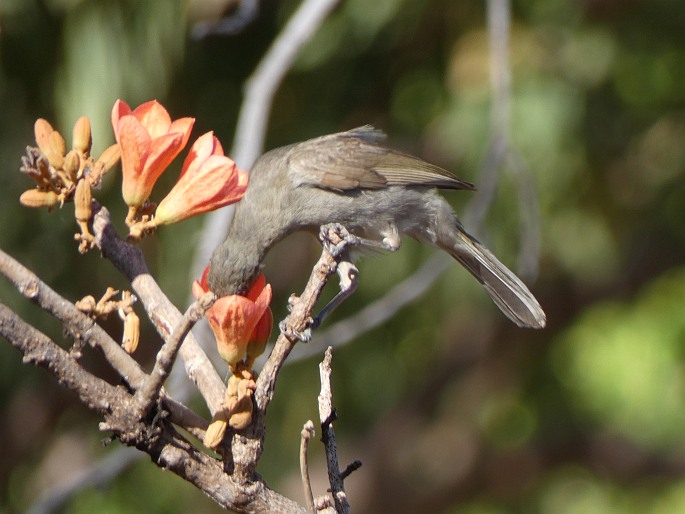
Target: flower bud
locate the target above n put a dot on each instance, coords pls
(72, 162)
(82, 201)
(37, 198)
(42, 130)
(104, 163)
(82, 140)
(57, 147)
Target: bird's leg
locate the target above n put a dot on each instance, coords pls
(349, 280)
(390, 241)
(348, 272)
(337, 244)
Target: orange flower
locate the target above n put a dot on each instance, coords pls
(149, 141)
(209, 180)
(241, 324)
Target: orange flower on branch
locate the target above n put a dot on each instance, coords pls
(149, 141)
(209, 180)
(241, 324)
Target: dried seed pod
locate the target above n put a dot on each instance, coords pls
(82, 202)
(37, 198)
(131, 332)
(82, 139)
(215, 432)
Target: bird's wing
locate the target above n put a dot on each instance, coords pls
(355, 160)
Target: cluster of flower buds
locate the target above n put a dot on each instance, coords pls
(62, 176)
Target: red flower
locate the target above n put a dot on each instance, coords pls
(241, 324)
(209, 180)
(149, 141)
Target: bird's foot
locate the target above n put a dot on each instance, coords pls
(303, 336)
(336, 238)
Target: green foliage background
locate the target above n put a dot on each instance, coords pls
(451, 408)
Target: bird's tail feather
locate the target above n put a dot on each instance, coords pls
(506, 289)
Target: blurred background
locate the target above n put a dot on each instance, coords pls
(450, 407)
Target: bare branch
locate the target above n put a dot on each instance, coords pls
(327, 415)
(100, 473)
(244, 14)
(39, 350)
(167, 448)
(85, 329)
(128, 259)
(501, 152)
(76, 324)
(148, 394)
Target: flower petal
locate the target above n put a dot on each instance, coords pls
(202, 148)
(134, 143)
(119, 110)
(214, 184)
(154, 118)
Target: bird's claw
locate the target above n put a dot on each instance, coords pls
(303, 336)
(343, 236)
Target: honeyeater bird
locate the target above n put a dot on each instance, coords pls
(378, 194)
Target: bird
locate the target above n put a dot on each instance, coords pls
(378, 194)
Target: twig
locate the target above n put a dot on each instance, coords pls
(39, 350)
(167, 448)
(377, 312)
(148, 394)
(261, 87)
(501, 152)
(327, 416)
(79, 325)
(306, 435)
(76, 324)
(498, 19)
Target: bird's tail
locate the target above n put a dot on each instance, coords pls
(506, 289)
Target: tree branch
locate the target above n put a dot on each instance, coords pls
(167, 448)
(327, 416)
(128, 259)
(149, 392)
(39, 350)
